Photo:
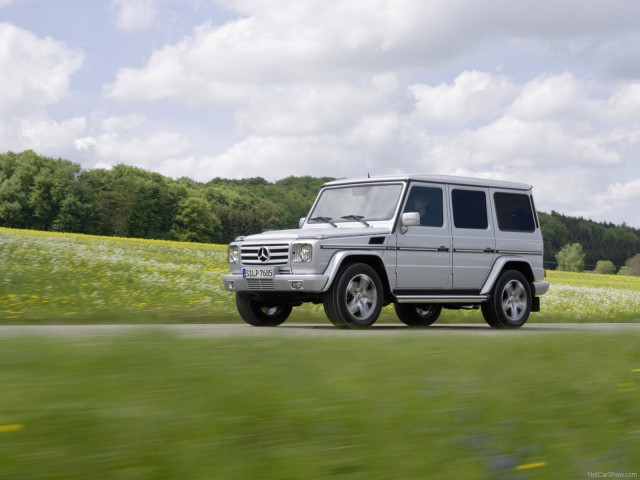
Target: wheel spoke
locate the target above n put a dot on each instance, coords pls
(518, 291)
(361, 296)
(352, 289)
(363, 282)
(365, 307)
(514, 300)
(353, 306)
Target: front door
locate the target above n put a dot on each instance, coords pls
(424, 251)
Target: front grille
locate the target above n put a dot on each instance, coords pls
(277, 254)
(260, 284)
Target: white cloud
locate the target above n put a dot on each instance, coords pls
(85, 143)
(144, 152)
(516, 142)
(473, 96)
(127, 122)
(547, 96)
(619, 197)
(278, 41)
(48, 136)
(134, 15)
(34, 72)
(307, 108)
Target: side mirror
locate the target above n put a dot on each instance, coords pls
(409, 219)
(301, 222)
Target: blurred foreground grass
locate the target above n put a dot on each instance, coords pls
(518, 405)
(65, 278)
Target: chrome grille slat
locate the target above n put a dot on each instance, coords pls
(278, 254)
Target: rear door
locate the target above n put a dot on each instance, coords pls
(474, 244)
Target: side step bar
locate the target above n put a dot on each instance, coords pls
(441, 298)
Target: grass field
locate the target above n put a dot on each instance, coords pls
(518, 405)
(62, 278)
(420, 404)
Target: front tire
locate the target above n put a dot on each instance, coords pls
(355, 299)
(417, 315)
(510, 301)
(261, 314)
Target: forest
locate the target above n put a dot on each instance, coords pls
(42, 193)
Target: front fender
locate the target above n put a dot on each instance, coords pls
(340, 257)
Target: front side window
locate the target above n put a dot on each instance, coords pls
(469, 209)
(354, 203)
(514, 212)
(427, 201)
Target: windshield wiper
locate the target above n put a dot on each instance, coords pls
(324, 219)
(358, 218)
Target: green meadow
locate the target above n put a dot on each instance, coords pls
(518, 405)
(64, 278)
(423, 403)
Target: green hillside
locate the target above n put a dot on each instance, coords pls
(42, 193)
(70, 278)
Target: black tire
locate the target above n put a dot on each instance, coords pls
(510, 301)
(489, 316)
(261, 314)
(417, 314)
(355, 299)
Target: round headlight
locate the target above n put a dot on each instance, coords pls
(305, 252)
(233, 253)
(301, 252)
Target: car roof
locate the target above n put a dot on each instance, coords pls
(448, 179)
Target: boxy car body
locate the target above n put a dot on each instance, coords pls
(421, 242)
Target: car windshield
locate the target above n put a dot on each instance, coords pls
(357, 203)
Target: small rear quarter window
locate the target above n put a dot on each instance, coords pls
(514, 212)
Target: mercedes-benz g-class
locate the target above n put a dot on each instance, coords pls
(421, 242)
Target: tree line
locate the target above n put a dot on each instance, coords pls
(42, 193)
(599, 241)
(571, 259)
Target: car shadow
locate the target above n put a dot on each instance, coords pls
(467, 327)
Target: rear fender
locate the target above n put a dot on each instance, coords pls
(520, 264)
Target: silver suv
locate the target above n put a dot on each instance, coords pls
(420, 242)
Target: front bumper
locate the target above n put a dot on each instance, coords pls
(279, 283)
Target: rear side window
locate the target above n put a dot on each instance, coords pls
(469, 209)
(514, 212)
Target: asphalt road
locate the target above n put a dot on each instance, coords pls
(326, 330)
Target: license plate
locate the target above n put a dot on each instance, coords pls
(257, 272)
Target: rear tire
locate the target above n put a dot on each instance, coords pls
(510, 301)
(355, 298)
(261, 314)
(417, 315)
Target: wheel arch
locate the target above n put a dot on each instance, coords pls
(342, 260)
(503, 264)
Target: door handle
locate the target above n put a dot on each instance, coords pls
(443, 249)
(489, 250)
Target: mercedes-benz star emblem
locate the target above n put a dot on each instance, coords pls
(263, 254)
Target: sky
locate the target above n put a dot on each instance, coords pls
(545, 92)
